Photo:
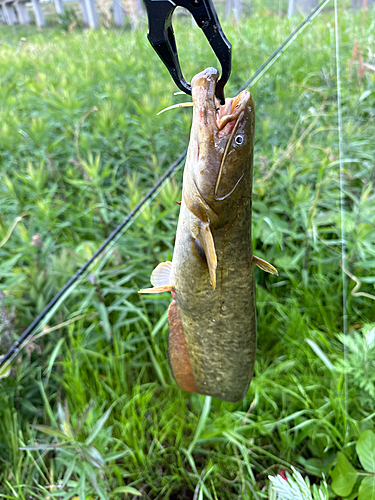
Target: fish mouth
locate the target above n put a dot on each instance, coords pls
(216, 118)
(213, 139)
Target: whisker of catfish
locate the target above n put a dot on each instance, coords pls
(179, 105)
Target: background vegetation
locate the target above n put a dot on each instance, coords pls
(90, 408)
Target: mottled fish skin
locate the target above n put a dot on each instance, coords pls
(219, 320)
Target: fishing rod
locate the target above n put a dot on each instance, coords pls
(26, 336)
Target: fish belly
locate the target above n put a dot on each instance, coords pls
(219, 325)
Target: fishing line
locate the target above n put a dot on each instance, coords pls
(342, 200)
(50, 308)
(67, 288)
(283, 47)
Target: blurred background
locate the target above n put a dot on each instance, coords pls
(131, 12)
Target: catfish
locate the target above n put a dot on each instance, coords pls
(212, 317)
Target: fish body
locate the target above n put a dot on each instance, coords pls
(212, 319)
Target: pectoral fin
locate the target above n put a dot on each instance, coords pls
(204, 235)
(161, 279)
(264, 265)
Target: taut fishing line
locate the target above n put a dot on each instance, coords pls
(342, 199)
(51, 307)
(283, 47)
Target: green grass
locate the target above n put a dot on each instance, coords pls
(73, 176)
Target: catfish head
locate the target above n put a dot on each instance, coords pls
(218, 171)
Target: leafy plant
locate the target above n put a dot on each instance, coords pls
(295, 487)
(345, 476)
(358, 364)
(81, 459)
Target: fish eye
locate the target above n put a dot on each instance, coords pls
(239, 140)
